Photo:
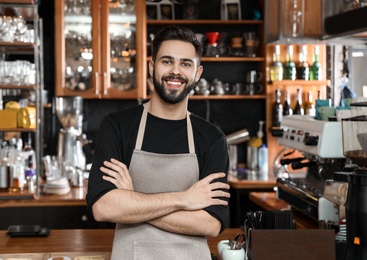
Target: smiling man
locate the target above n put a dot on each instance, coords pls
(160, 172)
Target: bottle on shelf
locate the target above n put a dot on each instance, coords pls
(4, 169)
(319, 94)
(316, 69)
(29, 154)
(263, 159)
(17, 171)
(309, 105)
(277, 110)
(303, 69)
(287, 109)
(290, 66)
(298, 109)
(276, 68)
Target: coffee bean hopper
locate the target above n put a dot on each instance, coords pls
(354, 132)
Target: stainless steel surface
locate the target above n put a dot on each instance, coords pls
(326, 136)
(238, 137)
(69, 110)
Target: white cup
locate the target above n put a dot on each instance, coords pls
(233, 254)
(221, 245)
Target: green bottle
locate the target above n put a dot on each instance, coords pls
(290, 72)
(315, 69)
(276, 68)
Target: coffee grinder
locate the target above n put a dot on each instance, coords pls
(69, 111)
(354, 132)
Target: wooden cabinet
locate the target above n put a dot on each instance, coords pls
(100, 49)
(92, 33)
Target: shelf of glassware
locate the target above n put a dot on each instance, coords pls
(34, 48)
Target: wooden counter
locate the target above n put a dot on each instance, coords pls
(76, 197)
(79, 241)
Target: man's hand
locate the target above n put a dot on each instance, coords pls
(205, 193)
(118, 174)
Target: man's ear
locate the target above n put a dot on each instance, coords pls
(151, 68)
(198, 73)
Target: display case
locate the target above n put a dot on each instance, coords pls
(21, 52)
(99, 46)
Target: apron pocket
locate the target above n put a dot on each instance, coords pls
(170, 251)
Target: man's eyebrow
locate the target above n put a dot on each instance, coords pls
(172, 58)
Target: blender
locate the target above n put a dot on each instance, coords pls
(354, 132)
(69, 111)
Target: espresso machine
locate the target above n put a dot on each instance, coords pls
(314, 154)
(71, 139)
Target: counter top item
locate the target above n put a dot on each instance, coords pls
(73, 242)
(269, 202)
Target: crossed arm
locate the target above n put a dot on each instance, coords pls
(178, 212)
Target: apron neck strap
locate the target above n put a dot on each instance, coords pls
(143, 121)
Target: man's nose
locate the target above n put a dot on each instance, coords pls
(175, 69)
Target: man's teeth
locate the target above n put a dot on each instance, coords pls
(174, 83)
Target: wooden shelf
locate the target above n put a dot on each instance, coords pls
(301, 83)
(228, 59)
(222, 97)
(23, 2)
(25, 130)
(232, 59)
(205, 22)
(30, 87)
(212, 97)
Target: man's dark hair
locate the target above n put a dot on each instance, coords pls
(174, 32)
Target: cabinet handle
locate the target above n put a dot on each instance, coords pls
(105, 88)
(98, 86)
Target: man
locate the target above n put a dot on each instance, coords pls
(159, 171)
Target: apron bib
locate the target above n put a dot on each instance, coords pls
(156, 173)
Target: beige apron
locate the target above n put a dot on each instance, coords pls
(156, 173)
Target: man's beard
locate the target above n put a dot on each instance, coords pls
(172, 96)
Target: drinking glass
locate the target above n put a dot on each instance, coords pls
(251, 44)
(20, 28)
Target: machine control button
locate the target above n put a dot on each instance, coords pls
(311, 140)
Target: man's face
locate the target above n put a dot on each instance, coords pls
(175, 71)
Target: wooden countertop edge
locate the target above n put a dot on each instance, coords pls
(250, 184)
(268, 201)
(80, 240)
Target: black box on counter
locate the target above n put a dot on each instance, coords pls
(300, 244)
